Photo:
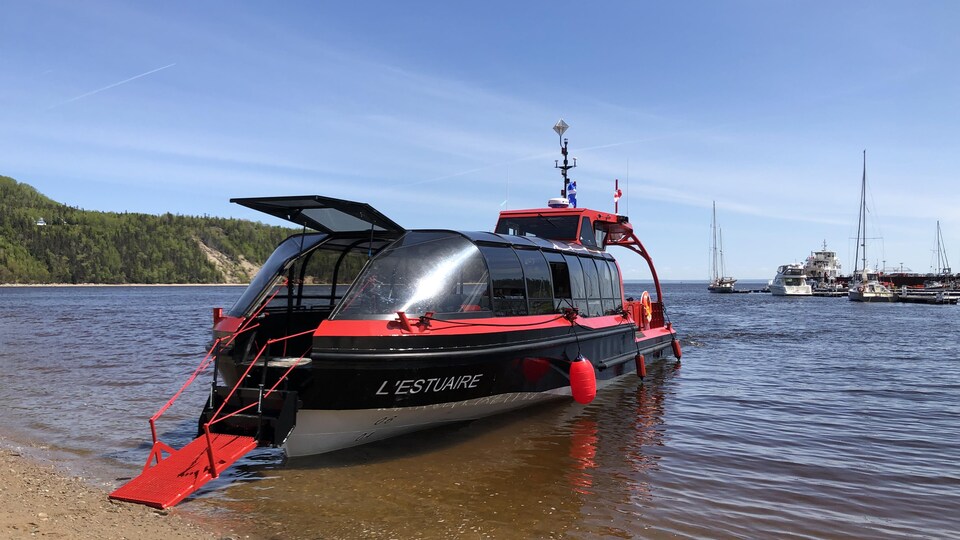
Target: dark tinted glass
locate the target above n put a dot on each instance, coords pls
(606, 286)
(536, 271)
(592, 280)
(606, 280)
(578, 289)
(587, 237)
(561, 279)
(617, 291)
(591, 277)
(506, 277)
(554, 227)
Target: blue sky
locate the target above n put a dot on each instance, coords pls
(438, 112)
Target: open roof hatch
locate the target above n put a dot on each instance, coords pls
(324, 214)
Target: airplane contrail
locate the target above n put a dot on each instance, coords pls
(114, 85)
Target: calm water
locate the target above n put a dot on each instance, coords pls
(789, 418)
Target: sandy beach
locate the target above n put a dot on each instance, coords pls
(39, 500)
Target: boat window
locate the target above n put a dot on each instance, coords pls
(587, 237)
(506, 278)
(438, 272)
(578, 290)
(270, 273)
(606, 286)
(617, 298)
(561, 279)
(317, 280)
(600, 234)
(543, 226)
(537, 274)
(592, 280)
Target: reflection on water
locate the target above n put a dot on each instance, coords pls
(535, 473)
(583, 450)
(787, 420)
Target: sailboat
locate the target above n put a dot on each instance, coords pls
(718, 282)
(865, 286)
(941, 276)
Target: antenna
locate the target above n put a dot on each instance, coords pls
(561, 127)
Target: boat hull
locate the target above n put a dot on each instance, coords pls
(320, 431)
(350, 398)
(790, 290)
(868, 296)
(724, 288)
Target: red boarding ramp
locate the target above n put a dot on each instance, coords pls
(184, 471)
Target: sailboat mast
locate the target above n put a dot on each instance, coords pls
(936, 269)
(943, 265)
(713, 230)
(863, 219)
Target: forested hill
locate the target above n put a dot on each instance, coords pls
(43, 241)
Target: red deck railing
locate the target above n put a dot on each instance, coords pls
(166, 485)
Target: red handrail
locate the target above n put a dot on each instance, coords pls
(214, 418)
(158, 446)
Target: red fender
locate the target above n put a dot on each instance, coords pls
(583, 381)
(641, 366)
(676, 348)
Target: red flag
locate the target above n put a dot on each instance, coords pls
(616, 195)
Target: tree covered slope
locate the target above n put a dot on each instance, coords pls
(43, 241)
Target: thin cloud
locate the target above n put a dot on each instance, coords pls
(114, 85)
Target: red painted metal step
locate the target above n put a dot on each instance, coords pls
(184, 471)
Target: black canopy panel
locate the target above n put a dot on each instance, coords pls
(325, 214)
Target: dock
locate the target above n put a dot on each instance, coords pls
(951, 297)
(830, 293)
(937, 298)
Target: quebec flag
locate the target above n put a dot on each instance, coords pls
(572, 193)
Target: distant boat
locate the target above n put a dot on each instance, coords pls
(790, 281)
(718, 282)
(822, 268)
(941, 278)
(865, 286)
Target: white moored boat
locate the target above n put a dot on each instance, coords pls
(790, 281)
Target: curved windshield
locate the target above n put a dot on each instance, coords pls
(272, 270)
(440, 272)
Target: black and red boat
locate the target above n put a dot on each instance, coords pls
(357, 329)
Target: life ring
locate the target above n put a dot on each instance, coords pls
(647, 306)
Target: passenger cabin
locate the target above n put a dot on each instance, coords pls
(360, 265)
(461, 275)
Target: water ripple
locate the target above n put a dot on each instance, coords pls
(785, 420)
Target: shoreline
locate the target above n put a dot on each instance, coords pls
(38, 498)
